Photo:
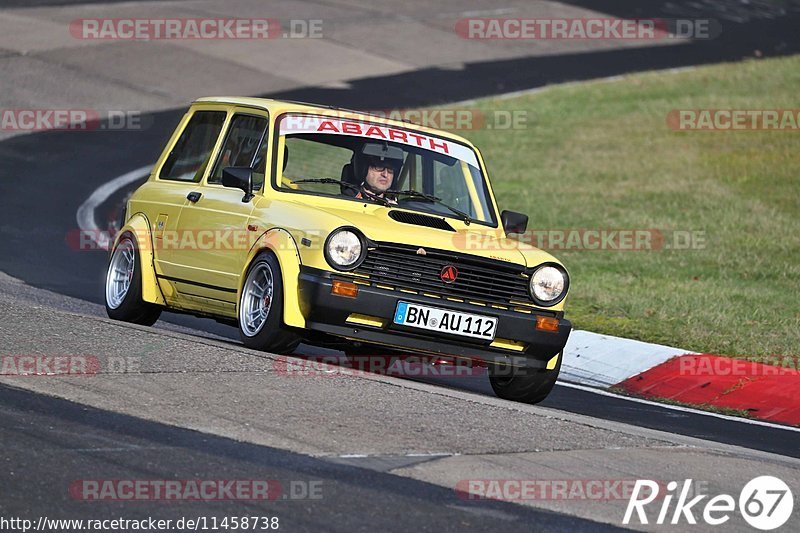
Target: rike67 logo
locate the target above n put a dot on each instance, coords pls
(765, 503)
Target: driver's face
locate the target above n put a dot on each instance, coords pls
(380, 177)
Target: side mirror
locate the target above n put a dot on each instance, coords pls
(239, 178)
(514, 222)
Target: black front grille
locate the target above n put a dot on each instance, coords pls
(480, 279)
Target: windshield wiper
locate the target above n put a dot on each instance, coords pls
(435, 199)
(382, 201)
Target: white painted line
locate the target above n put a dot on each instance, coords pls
(681, 408)
(86, 221)
(443, 454)
(364, 455)
(488, 12)
(122, 449)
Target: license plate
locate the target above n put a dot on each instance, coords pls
(445, 321)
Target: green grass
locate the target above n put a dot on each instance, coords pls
(600, 156)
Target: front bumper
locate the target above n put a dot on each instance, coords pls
(517, 341)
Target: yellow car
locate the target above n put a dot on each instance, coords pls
(296, 222)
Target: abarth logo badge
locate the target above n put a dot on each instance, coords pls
(422, 251)
(449, 274)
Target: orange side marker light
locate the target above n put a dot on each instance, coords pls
(547, 323)
(344, 288)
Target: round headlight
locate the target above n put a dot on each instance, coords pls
(548, 285)
(343, 249)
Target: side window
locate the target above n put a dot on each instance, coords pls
(242, 142)
(451, 187)
(189, 159)
(411, 174)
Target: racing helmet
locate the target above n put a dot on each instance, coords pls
(378, 154)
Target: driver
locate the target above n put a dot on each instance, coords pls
(379, 177)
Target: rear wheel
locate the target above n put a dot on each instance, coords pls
(261, 308)
(124, 286)
(527, 385)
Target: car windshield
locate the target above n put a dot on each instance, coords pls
(332, 156)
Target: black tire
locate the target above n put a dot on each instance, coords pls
(526, 385)
(273, 336)
(132, 308)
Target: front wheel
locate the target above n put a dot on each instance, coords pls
(261, 308)
(524, 385)
(124, 286)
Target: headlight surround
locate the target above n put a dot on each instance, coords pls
(345, 249)
(548, 285)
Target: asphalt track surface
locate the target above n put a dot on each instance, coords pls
(46, 176)
(651, 416)
(75, 442)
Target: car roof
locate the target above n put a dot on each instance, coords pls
(278, 107)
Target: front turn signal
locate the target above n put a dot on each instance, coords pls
(547, 323)
(344, 288)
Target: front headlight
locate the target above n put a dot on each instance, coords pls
(344, 249)
(548, 285)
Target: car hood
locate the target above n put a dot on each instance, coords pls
(376, 224)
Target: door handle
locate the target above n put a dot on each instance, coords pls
(194, 196)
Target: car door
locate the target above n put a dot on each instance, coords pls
(219, 219)
(180, 172)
